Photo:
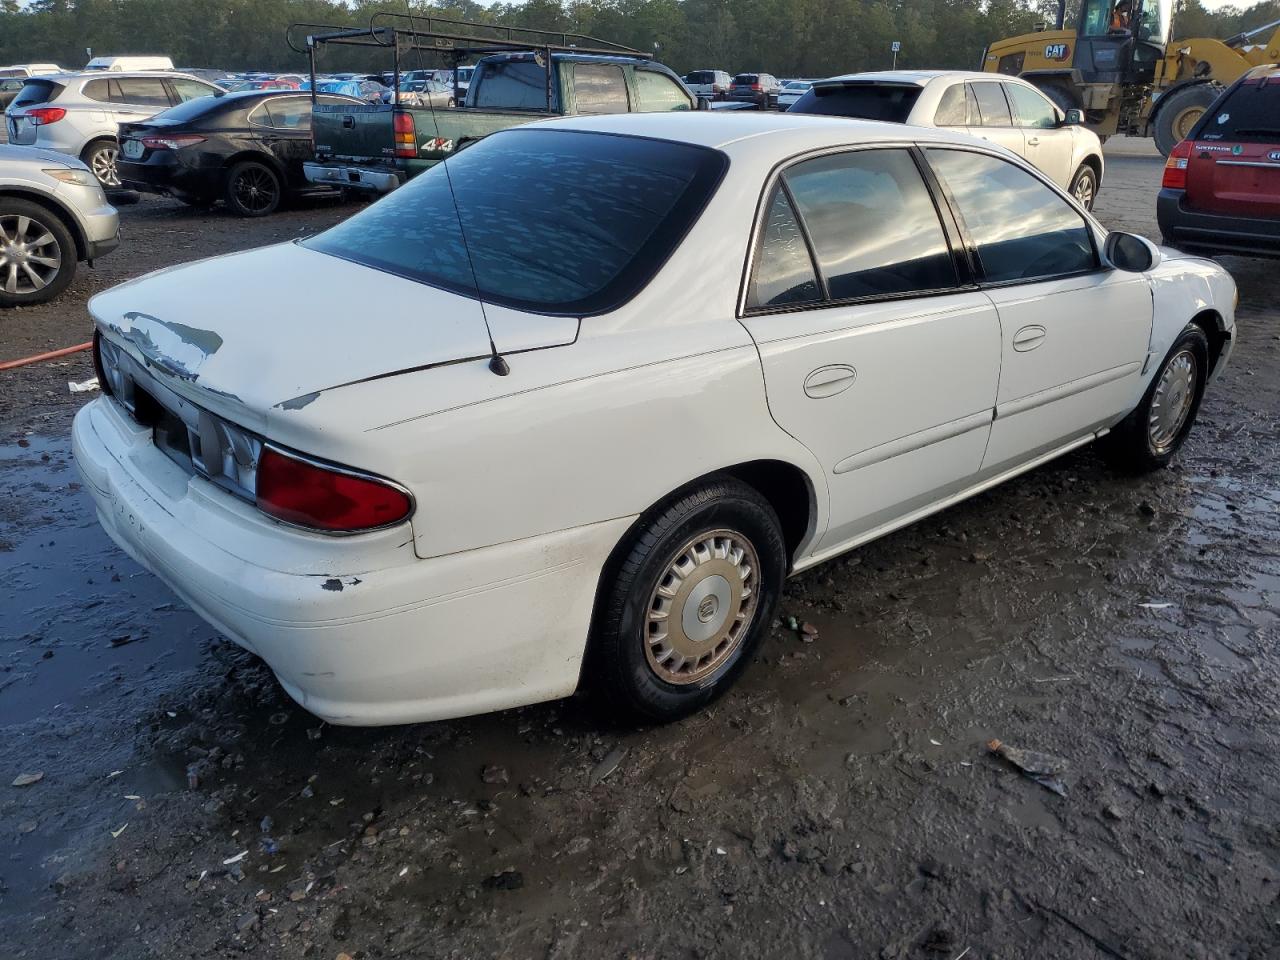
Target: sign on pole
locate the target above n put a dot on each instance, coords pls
(895, 47)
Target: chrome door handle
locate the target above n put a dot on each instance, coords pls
(830, 380)
(1028, 338)
(1033, 142)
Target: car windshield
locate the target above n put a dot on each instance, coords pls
(863, 101)
(560, 222)
(1249, 113)
(798, 85)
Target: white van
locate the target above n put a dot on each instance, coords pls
(117, 64)
(29, 70)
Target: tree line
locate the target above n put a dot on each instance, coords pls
(783, 37)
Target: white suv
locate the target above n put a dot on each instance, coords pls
(80, 113)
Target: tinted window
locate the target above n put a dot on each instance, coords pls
(953, 108)
(1249, 113)
(746, 79)
(993, 108)
(510, 85)
(192, 109)
(659, 92)
(867, 101)
(555, 221)
(1033, 110)
(190, 89)
(1022, 229)
(873, 224)
(783, 271)
(37, 91)
(99, 90)
(290, 113)
(8, 86)
(599, 88)
(145, 91)
(701, 76)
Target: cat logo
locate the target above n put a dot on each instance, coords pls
(1057, 51)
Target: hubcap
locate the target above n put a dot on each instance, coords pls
(256, 190)
(1084, 191)
(1171, 403)
(702, 606)
(103, 165)
(30, 257)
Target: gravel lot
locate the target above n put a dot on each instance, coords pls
(841, 803)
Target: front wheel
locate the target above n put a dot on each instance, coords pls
(37, 254)
(253, 189)
(1148, 438)
(1084, 186)
(683, 610)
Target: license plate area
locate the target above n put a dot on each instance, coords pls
(132, 149)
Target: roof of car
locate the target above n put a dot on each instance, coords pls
(791, 132)
(918, 77)
(64, 78)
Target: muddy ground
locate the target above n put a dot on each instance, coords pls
(839, 803)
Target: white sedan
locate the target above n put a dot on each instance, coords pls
(792, 90)
(1005, 110)
(674, 362)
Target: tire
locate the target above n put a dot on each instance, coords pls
(100, 157)
(37, 254)
(1149, 437)
(1062, 97)
(1179, 111)
(636, 663)
(1084, 186)
(253, 189)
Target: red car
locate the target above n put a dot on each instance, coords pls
(1221, 189)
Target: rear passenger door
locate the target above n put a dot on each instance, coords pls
(993, 119)
(878, 352)
(1073, 333)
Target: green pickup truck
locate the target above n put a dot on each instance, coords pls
(378, 147)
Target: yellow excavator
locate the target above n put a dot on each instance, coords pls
(1119, 66)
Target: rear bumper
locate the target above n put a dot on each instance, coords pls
(167, 174)
(1190, 229)
(371, 179)
(358, 629)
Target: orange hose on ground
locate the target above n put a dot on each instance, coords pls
(51, 355)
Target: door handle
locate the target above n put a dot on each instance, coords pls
(1033, 142)
(830, 380)
(1028, 338)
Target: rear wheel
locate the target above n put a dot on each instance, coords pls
(1148, 438)
(1179, 112)
(100, 157)
(253, 189)
(683, 611)
(37, 254)
(1084, 186)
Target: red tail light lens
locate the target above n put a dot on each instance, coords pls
(755, 86)
(406, 137)
(1175, 168)
(326, 498)
(43, 116)
(175, 142)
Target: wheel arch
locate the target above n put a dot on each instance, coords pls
(55, 207)
(1215, 330)
(263, 157)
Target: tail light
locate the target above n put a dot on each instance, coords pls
(406, 137)
(1175, 168)
(43, 116)
(326, 497)
(755, 86)
(175, 142)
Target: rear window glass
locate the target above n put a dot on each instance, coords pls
(700, 76)
(37, 91)
(865, 101)
(191, 109)
(1250, 113)
(554, 221)
(510, 85)
(747, 78)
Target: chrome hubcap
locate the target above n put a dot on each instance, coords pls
(103, 165)
(1084, 191)
(29, 255)
(702, 606)
(1171, 403)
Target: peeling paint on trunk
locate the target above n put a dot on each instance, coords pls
(175, 348)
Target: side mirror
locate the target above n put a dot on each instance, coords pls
(1130, 253)
(704, 103)
(1075, 116)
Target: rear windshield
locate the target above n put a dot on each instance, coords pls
(560, 222)
(744, 78)
(37, 91)
(865, 101)
(191, 109)
(1250, 113)
(510, 85)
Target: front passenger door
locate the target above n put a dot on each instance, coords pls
(877, 354)
(1048, 146)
